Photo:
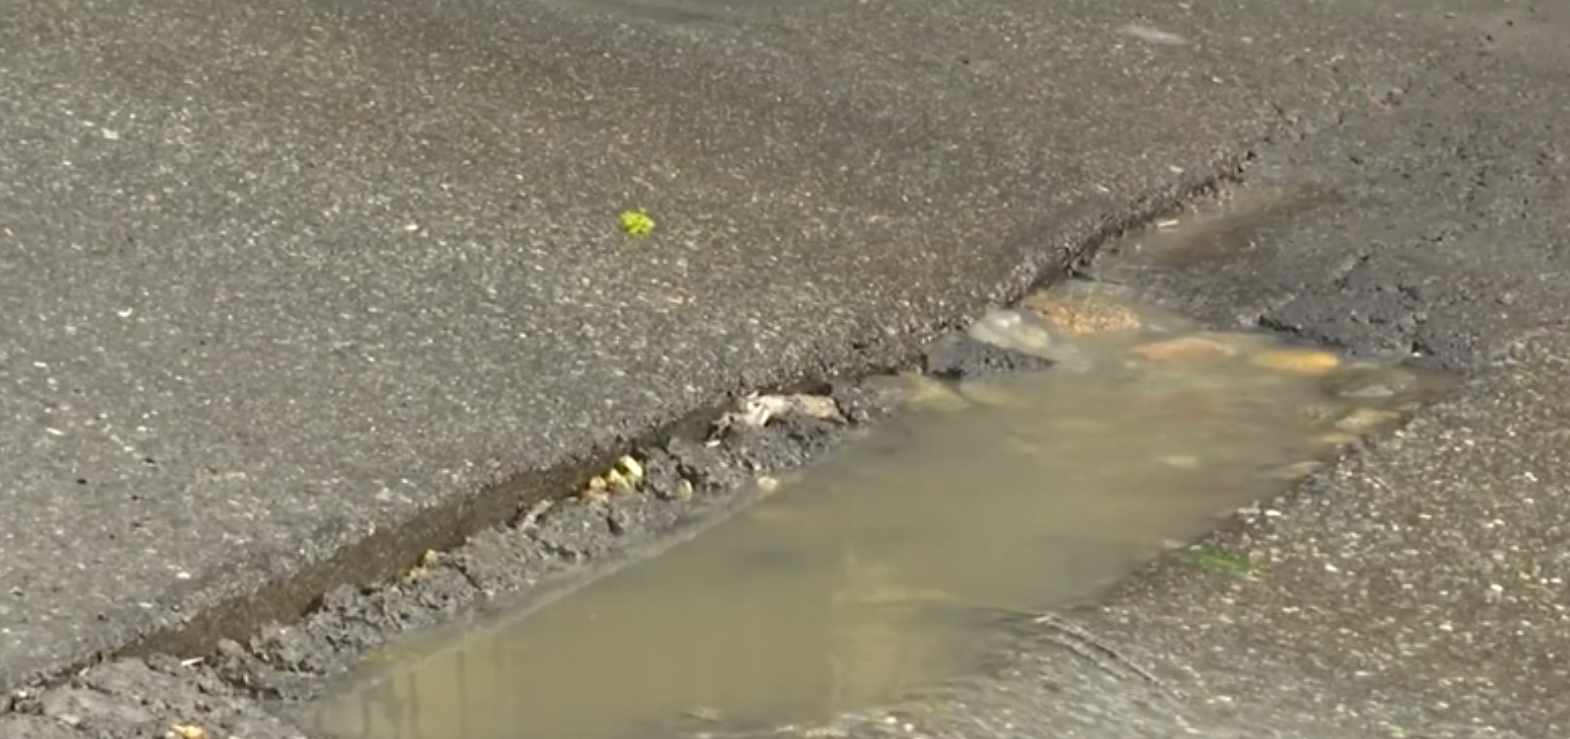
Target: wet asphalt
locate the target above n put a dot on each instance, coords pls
(290, 288)
(1418, 589)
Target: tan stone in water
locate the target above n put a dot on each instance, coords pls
(1297, 361)
(1081, 315)
(1186, 350)
(1364, 420)
(1338, 440)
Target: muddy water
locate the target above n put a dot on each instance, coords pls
(886, 568)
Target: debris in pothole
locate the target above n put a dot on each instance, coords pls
(187, 731)
(1009, 329)
(755, 411)
(596, 489)
(631, 468)
(428, 561)
(1362, 421)
(959, 356)
(532, 515)
(623, 477)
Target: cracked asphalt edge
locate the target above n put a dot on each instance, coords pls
(1310, 653)
(197, 680)
(252, 688)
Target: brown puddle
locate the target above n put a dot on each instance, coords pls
(883, 568)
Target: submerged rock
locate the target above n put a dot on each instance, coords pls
(1081, 312)
(1010, 330)
(1184, 351)
(958, 356)
(1298, 361)
(1362, 421)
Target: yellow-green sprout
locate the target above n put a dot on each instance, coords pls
(637, 223)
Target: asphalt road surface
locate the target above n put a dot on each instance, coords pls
(289, 289)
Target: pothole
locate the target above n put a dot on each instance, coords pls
(840, 589)
(892, 564)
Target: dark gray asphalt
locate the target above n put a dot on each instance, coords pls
(1419, 588)
(285, 284)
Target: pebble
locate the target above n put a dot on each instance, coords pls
(1013, 330)
(1361, 421)
(1082, 314)
(1009, 329)
(1186, 350)
(1297, 361)
(1338, 440)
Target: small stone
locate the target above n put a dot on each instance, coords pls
(1009, 329)
(958, 356)
(684, 490)
(597, 489)
(1338, 440)
(1186, 350)
(1082, 314)
(1361, 421)
(755, 412)
(1297, 361)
